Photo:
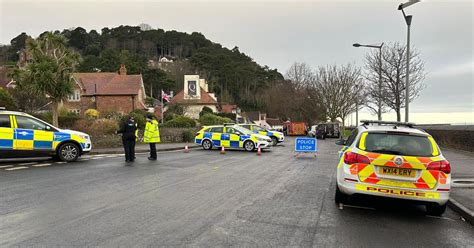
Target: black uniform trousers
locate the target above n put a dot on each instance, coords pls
(153, 150)
(129, 147)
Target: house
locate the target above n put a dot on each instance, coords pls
(107, 91)
(195, 96)
(257, 118)
(275, 123)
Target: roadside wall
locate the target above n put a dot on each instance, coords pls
(456, 137)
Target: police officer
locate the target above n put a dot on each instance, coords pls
(151, 135)
(128, 129)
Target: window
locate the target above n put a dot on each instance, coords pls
(398, 144)
(230, 130)
(29, 123)
(352, 137)
(246, 126)
(217, 130)
(75, 111)
(5, 121)
(75, 97)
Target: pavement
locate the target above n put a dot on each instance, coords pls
(207, 199)
(462, 190)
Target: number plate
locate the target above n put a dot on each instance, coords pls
(402, 172)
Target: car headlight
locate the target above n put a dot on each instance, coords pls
(261, 139)
(86, 137)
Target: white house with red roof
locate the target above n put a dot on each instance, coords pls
(195, 96)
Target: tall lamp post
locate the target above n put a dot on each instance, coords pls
(379, 100)
(407, 82)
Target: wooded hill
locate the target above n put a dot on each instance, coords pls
(232, 75)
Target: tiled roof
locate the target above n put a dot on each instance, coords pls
(108, 83)
(274, 121)
(227, 108)
(205, 99)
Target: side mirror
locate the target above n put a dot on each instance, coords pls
(341, 142)
(238, 133)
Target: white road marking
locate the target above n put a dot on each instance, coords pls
(41, 165)
(5, 166)
(30, 163)
(17, 168)
(61, 162)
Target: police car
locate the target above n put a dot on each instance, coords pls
(277, 137)
(232, 136)
(22, 135)
(393, 159)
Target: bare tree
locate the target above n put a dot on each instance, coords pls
(300, 74)
(338, 89)
(393, 73)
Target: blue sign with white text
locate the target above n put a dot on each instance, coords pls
(305, 144)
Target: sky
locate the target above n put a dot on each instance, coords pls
(279, 33)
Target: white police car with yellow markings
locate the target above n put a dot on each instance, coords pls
(277, 137)
(22, 135)
(231, 136)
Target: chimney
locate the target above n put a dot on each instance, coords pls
(123, 70)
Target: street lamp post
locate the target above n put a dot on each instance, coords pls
(407, 77)
(357, 105)
(379, 100)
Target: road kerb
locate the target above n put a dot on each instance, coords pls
(467, 214)
(140, 150)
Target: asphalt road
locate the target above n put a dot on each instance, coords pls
(206, 199)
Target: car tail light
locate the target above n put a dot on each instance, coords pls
(352, 158)
(442, 165)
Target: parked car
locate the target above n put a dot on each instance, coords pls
(23, 135)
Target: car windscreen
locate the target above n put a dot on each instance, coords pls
(398, 144)
(242, 130)
(257, 128)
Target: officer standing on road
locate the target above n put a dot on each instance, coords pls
(151, 135)
(128, 129)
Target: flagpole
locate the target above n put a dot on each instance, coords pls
(162, 114)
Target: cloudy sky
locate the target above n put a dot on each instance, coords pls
(278, 33)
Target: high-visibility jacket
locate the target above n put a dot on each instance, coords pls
(152, 133)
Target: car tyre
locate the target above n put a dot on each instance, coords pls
(207, 145)
(249, 146)
(435, 209)
(340, 197)
(274, 141)
(69, 152)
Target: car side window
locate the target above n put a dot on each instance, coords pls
(230, 130)
(5, 121)
(352, 137)
(28, 123)
(217, 130)
(247, 126)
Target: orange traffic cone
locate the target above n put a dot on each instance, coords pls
(222, 150)
(186, 149)
(259, 151)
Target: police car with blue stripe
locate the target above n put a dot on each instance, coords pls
(231, 136)
(22, 135)
(277, 137)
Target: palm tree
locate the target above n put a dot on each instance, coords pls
(49, 69)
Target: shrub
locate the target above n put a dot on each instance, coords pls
(112, 115)
(231, 116)
(210, 119)
(92, 114)
(65, 119)
(205, 110)
(188, 135)
(96, 128)
(180, 121)
(6, 100)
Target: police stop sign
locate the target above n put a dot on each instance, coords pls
(305, 144)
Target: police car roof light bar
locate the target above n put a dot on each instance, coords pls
(229, 124)
(3, 108)
(396, 123)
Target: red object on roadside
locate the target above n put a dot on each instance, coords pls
(259, 151)
(222, 150)
(186, 149)
(295, 128)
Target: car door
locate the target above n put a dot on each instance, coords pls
(233, 137)
(6, 135)
(33, 135)
(216, 135)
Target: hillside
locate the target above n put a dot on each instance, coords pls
(232, 75)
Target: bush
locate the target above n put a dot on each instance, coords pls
(210, 119)
(6, 100)
(180, 121)
(92, 114)
(112, 115)
(231, 116)
(96, 128)
(65, 119)
(205, 110)
(188, 135)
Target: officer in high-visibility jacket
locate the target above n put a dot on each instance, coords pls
(151, 135)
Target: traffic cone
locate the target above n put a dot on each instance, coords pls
(186, 149)
(222, 150)
(259, 151)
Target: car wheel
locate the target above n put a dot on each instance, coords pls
(274, 141)
(340, 197)
(207, 145)
(435, 209)
(249, 146)
(69, 152)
